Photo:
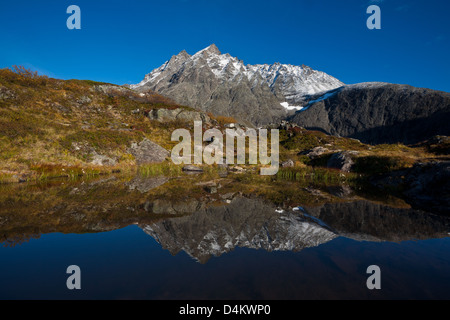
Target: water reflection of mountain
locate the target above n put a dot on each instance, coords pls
(365, 220)
(253, 223)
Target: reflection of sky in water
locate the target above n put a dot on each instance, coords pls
(127, 263)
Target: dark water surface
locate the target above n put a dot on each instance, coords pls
(244, 249)
(128, 264)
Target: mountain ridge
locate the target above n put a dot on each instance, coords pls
(379, 112)
(224, 85)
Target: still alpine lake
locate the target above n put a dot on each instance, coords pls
(133, 239)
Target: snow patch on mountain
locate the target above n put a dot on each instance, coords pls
(289, 107)
(321, 98)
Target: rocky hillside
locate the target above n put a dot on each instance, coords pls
(56, 125)
(379, 113)
(223, 85)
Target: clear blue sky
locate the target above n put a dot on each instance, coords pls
(121, 41)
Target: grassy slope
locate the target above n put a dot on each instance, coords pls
(50, 125)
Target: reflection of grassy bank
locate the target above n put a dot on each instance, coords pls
(96, 203)
(316, 175)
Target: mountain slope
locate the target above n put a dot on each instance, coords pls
(223, 85)
(379, 113)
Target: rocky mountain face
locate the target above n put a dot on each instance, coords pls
(266, 94)
(379, 113)
(224, 85)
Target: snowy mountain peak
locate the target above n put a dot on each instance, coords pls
(223, 84)
(212, 49)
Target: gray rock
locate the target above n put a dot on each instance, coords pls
(147, 152)
(211, 189)
(179, 114)
(342, 161)
(112, 90)
(186, 207)
(163, 207)
(288, 164)
(315, 152)
(223, 170)
(6, 93)
(102, 160)
(143, 184)
(191, 168)
(237, 169)
(84, 100)
(228, 196)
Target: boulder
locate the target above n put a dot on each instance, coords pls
(211, 189)
(6, 93)
(237, 169)
(179, 114)
(102, 160)
(148, 152)
(191, 168)
(288, 164)
(315, 152)
(223, 170)
(143, 184)
(342, 161)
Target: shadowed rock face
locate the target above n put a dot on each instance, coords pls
(254, 224)
(426, 185)
(379, 113)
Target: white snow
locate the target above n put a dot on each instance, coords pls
(325, 96)
(290, 108)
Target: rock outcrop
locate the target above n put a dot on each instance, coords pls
(342, 161)
(379, 113)
(179, 114)
(147, 152)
